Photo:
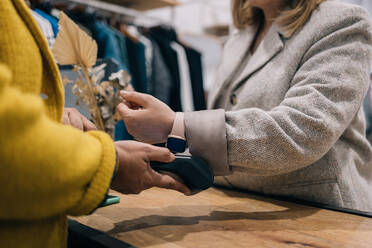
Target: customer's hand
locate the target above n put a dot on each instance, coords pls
(72, 117)
(146, 118)
(134, 173)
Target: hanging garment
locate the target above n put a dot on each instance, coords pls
(108, 40)
(185, 82)
(148, 56)
(160, 80)
(108, 44)
(367, 107)
(194, 59)
(163, 37)
(46, 28)
(51, 19)
(123, 47)
(137, 65)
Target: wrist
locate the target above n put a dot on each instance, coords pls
(170, 124)
(116, 164)
(114, 176)
(176, 139)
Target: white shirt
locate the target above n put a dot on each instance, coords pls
(187, 100)
(46, 28)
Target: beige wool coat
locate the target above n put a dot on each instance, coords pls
(289, 121)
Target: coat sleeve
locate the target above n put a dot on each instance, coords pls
(47, 169)
(325, 95)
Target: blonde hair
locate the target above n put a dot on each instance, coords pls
(290, 19)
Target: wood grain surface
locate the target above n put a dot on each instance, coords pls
(224, 218)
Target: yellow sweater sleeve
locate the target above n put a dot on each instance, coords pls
(47, 168)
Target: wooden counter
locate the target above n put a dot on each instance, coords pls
(224, 218)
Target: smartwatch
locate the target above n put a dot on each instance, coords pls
(176, 142)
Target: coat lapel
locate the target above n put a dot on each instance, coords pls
(267, 50)
(234, 51)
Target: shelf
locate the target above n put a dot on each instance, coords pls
(143, 5)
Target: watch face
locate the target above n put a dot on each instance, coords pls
(176, 145)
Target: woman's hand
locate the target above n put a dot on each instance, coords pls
(72, 117)
(146, 118)
(134, 172)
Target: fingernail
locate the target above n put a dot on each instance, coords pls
(172, 156)
(123, 92)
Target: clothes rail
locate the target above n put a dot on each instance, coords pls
(113, 8)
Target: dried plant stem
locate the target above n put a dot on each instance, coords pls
(80, 76)
(97, 113)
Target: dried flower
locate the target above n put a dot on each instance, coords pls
(74, 47)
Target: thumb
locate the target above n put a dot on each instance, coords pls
(123, 110)
(159, 154)
(135, 97)
(168, 182)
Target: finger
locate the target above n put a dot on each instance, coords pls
(88, 125)
(131, 105)
(75, 120)
(65, 119)
(159, 154)
(128, 104)
(129, 88)
(168, 182)
(135, 97)
(123, 110)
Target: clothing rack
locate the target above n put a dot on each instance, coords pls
(142, 5)
(122, 11)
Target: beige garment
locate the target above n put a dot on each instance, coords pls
(293, 124)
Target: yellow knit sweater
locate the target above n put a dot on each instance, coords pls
(47, 170)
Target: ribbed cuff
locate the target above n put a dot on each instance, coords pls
(101, 182)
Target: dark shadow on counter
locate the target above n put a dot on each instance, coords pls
(214, 216)
(235, 193)
(166, 223)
